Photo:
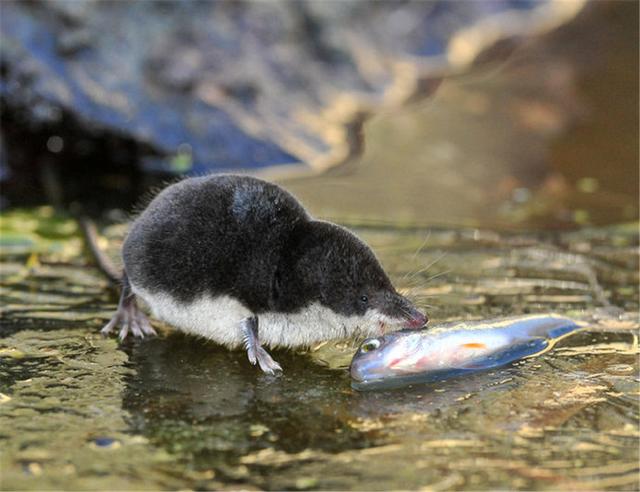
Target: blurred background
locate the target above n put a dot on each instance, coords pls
(501, 113)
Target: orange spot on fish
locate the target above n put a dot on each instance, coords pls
(474, 345)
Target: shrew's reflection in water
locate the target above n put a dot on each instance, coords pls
(193, 396)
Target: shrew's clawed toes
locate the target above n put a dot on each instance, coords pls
(129, 317)
(267, 364)
(139, 323)
(251, 354)
(255, 352)
(124, 331)
(113, 322)
(147, 329)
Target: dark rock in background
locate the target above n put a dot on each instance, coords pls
(96, 95)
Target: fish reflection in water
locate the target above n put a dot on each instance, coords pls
(453, 349)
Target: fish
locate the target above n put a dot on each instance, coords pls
(454, 349)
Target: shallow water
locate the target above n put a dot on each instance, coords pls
(77, 412)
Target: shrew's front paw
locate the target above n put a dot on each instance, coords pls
(255, 352)
(266, 362)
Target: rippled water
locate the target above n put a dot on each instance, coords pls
(176, 412)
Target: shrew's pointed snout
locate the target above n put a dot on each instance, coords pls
(398, 311)
(413, 318)
(416, 319)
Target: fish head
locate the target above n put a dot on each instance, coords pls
(377, 357)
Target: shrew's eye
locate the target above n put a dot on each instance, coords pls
(370, 345)
(364, 299)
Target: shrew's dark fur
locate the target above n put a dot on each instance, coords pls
(252, 240)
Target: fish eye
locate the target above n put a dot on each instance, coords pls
(370, 345)
(364, 299)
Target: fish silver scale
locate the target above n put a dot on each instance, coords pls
(454, 349)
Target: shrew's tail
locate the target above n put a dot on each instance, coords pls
(106, 266)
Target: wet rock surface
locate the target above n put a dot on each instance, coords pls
(175, 87)
(77, 411)
(540, 141)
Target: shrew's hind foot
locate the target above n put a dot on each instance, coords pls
(128, 316)
(255, 351)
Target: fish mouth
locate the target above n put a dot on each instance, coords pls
(362, 378)
(356, 375)
(361, 372)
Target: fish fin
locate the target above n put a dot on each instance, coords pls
(552, 326)
(510, 354)
(562, 329)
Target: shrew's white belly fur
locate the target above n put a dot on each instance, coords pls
(218, 319)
